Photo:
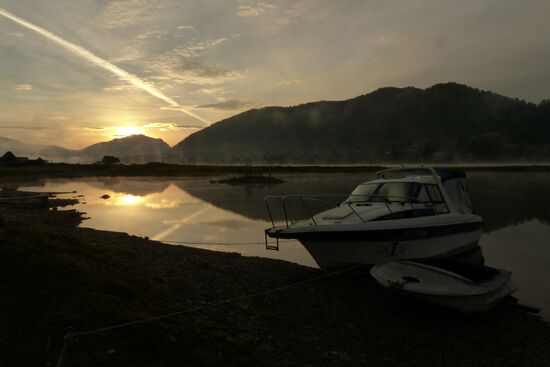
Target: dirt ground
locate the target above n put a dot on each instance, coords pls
(56, 277)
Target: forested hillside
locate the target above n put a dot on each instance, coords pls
(444, 123)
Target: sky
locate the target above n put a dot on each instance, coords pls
(73, 73)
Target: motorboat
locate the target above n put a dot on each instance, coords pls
(454, 284)
(413, 213)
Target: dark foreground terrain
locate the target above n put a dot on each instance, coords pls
(55, 276)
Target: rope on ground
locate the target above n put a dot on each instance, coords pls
(70, 335)
(221, 243)
(63, 352)
(215, 304)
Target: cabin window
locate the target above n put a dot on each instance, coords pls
(422, 196)
(390, 191)
(396, 191)
(401, 192)
(363, 193)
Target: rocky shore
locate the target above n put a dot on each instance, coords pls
(55, 276)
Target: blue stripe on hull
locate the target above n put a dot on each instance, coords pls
(399, 234)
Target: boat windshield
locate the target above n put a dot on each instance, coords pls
(388, 191)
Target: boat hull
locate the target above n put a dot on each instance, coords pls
(469, 304)
(445, 288)
(341, 245)
(333, 254)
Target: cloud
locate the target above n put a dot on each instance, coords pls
(291, 82)
(181, 27)
(152, 35)
(124, 13)
(16, 34)
(128, 54)
(391, 40)
(303, 11)
(58, 117)
(210, 91)
(26, 127)
(199, 73)
(254, 9)
(182, 65)
(169, 126)
(97, 128)
(196, 49)
(229, 104)
(275, 18)
(98, 61)
(119, 88)
(23, 87)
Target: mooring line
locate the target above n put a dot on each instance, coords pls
(71, 334)
(221, 243)
(214, 304)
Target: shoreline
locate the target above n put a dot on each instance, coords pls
(65, 170)
(55, 275)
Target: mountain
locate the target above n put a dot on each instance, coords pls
(35, 150)
(59, 154)
(444, 123)
(15, 146)
(130, 149)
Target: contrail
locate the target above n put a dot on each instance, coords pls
(88, 56)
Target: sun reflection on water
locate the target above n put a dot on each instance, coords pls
(123, 200)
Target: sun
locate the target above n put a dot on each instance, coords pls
(123, 131)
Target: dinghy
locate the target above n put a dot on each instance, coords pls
(454, 284)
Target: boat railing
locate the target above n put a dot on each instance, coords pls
(283, 201)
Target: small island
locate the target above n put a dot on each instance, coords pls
(252, 179)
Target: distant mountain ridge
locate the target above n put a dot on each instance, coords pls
(133, 148)
(130, 149)
(35, 150)
(443, 123)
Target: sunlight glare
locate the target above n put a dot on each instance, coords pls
(123, 131)
(128, 200)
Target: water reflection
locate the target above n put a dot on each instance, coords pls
(515, 206)
(502, 199)
(120, 199)
(172, 214)
(506, 199)
(525, 249)
(136, 186)
(248, 200)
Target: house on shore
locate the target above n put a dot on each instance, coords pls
(109, 160)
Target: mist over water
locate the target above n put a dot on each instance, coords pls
(515, 207)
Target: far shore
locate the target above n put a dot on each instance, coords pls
(67, 170)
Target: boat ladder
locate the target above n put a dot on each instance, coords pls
(272, 246)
